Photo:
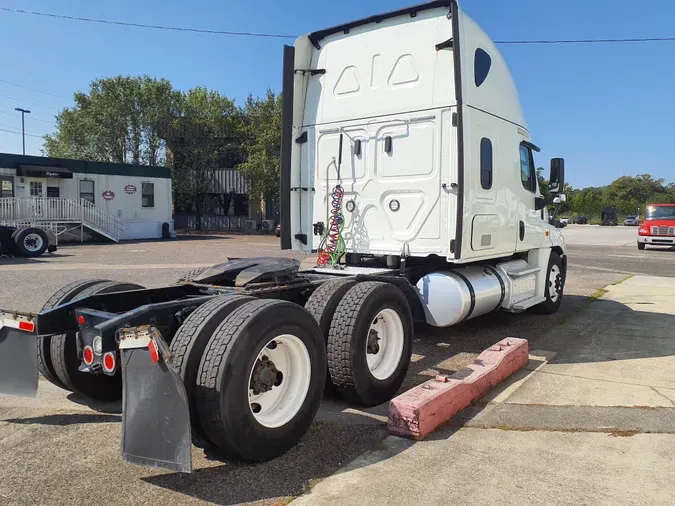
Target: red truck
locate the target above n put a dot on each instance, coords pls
(658, 228)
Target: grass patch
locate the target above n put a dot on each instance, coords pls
(598, 294)
(623, 280)
(623, 433)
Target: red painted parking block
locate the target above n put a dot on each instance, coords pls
(420, 410)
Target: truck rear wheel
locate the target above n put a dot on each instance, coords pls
(187, 347)
(44, 354)
(322, 305)
(31, 242)
(555, 284)
(261, 379)
(370, 343)
(66, 360)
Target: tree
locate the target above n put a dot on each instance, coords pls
(207, 133)
(263, 146)
(118, 120)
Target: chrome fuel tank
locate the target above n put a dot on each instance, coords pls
(450, 297)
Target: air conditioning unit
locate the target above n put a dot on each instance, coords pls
(251, 225)
(268, 225)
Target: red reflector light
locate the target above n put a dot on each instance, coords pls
(80, 320)
(154, 354)
(27, 326)
(88, 355)
(109, 362)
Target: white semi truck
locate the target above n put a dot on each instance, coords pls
(407, 171)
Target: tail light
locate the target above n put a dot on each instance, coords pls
(88, 355)
(109, 361)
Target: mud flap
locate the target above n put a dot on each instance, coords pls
(18, 362)
(156, 418)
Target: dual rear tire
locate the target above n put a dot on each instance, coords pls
(59, 356)
(368, 327)
(254, 372)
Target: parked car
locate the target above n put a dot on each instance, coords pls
(277, 231)
(580, 220)
(566, 221)
(557, 223)
(631, 221)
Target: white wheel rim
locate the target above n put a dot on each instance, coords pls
(383, 359)
(554, 278)
(277, 406)
(32, 242)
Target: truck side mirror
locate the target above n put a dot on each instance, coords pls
(557, 179)
(560, 199)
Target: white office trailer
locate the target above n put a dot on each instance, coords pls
(85, 200)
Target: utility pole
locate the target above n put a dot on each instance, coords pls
(23, 125)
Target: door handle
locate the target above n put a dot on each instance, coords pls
(522, 230)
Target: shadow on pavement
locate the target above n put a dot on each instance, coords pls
(326, 447)
(17, 260)
(101, 407)
(342, 432)
(66, 419)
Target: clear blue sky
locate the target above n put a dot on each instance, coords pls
(608, 109)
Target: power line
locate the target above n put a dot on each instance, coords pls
(156, 27)
(28, 131)
(280, 36)
(19, 133)
(586, 41)
(32, 89)
(32, 118)
(29, 102)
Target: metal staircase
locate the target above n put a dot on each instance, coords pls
(62, 216)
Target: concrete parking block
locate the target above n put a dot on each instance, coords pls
(420, 410)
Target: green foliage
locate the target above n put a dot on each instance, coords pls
(145, 121)
(263, 145)
(206, 133)
(627, 194)
(119, 120)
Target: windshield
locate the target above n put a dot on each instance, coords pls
(631, 218)
(661, 213)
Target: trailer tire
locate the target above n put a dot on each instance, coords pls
(66, 360)
(364, 306)
(189, 343)
(192, 274)
(322, 305)
(234, 365)
(555, 285)
(31, 242)
(44, 354)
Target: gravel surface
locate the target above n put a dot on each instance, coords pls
(55, 451)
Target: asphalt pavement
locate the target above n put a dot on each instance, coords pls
(56, 451)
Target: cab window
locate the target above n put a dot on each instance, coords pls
(528, 174)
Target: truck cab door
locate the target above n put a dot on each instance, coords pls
(531, 228)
